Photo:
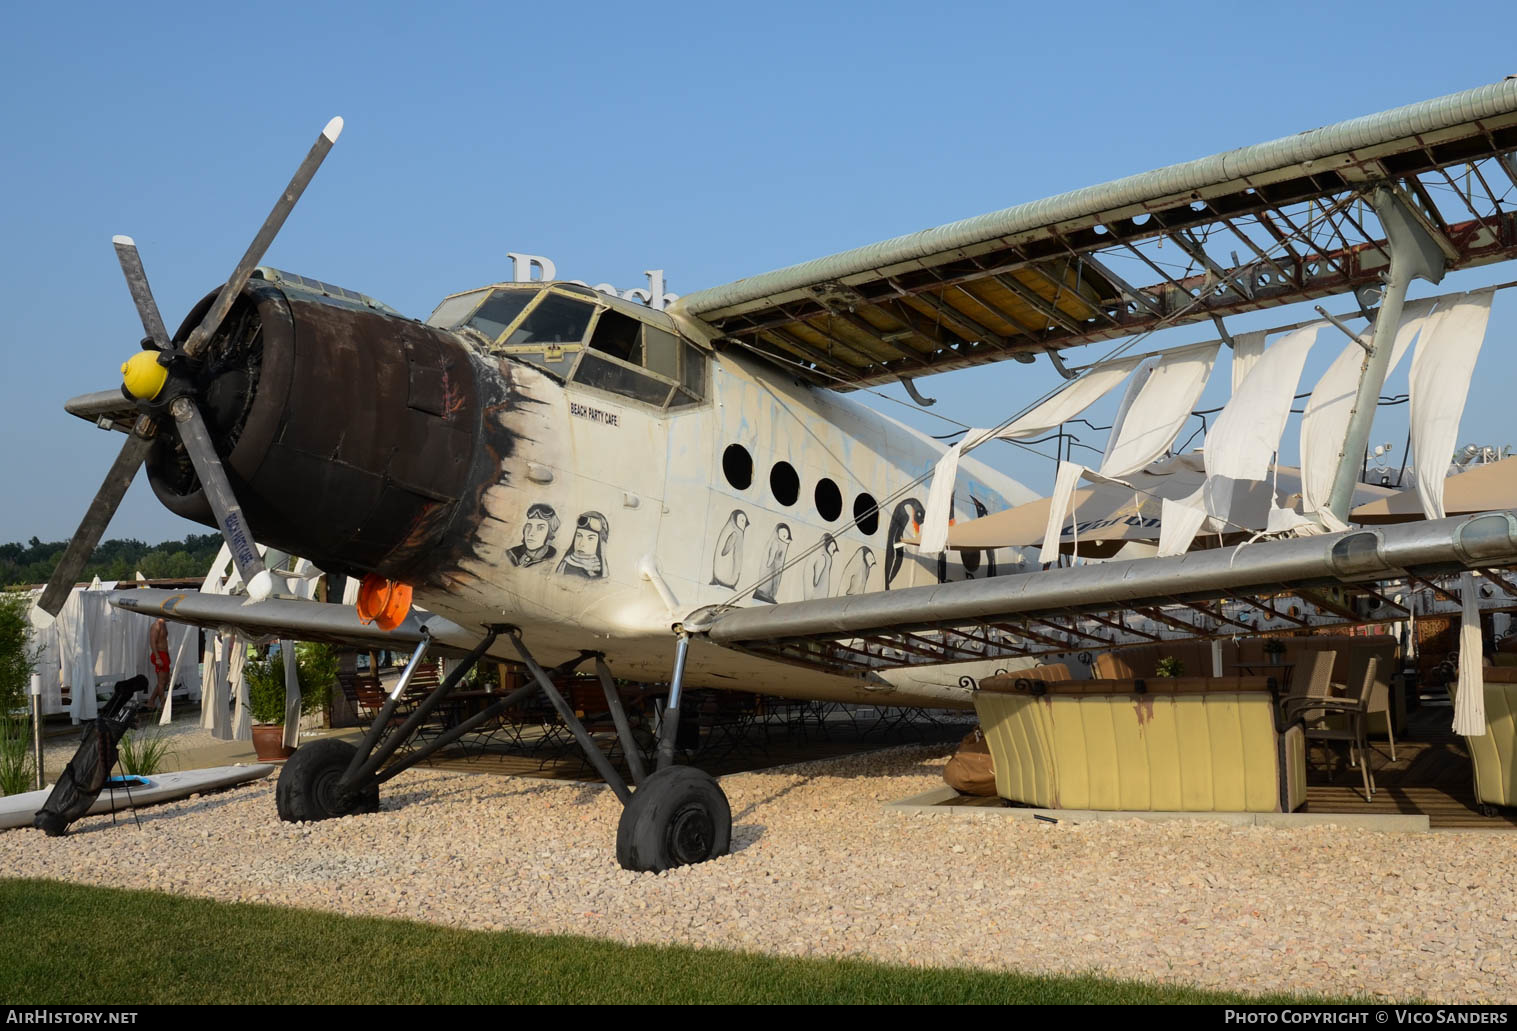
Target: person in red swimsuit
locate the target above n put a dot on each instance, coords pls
(158, 646)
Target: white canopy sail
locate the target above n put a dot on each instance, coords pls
(1440, 386)
(1156, 413)
(1068, 403)
(1324, 423)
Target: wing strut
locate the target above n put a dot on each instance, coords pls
(1414, 255)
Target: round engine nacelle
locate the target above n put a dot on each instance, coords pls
(351, 437)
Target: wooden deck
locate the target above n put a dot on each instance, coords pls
(1431, 775)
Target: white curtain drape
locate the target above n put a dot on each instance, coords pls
(49, 668)
(77, 657)
(184, 647)
(1247, 348)
(1158, 411)
(187, 661)
(1135, 384)
(1324, 422)
(1064, 485)
(242, 715)
(934, 534)
(1178, 526)
(1246, 434)
(1076, 396)
(1440, 386)
(213, 691)
(120, 638)
(1469, 699)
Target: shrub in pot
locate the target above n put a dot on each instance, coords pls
(315, 669)
(1169, 666)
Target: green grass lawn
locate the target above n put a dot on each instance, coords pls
(68, 944)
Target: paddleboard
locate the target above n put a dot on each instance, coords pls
(18, 810)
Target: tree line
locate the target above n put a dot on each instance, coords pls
(119, 559)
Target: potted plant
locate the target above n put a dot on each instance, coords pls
(316, 666)
(265, 680)
(315, 669)
(1169, 666)
(1273, 649)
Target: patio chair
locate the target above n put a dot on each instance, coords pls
(363, 695)
(1379, 700)
(1351, 729)
(1318, 667)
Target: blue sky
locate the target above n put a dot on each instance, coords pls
(714, 142)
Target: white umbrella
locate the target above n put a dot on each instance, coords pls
(1485, 488)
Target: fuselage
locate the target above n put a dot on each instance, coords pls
(588, 469)
(638, 498)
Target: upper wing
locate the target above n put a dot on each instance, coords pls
(1251, 228)
(291, 620)
(1108, 605)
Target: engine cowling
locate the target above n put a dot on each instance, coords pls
(352, 436)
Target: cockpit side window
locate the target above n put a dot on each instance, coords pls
(630, 357)
(692, 377)
(617, 335)
(662, 353)
(450, 314)
(621, 378)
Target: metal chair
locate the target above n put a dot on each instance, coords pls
(1354, 709)
(1379, 699)
(1319, 678)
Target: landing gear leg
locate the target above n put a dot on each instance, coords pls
(679, 815)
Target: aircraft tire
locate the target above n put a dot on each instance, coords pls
(678, 816)
(307, 788)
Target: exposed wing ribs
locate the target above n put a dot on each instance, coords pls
(1136, 255)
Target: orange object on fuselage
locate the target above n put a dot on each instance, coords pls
(383, 601)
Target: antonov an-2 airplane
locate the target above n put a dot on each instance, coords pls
(688, 497)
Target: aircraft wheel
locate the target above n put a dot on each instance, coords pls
(307, 788)
(678, 816)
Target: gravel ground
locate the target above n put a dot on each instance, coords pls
(820, 868)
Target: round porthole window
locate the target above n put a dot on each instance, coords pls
(829, 500)
(737, 465)
(866, 513)
(784, 483)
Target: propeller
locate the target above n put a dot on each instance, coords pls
(159, 381)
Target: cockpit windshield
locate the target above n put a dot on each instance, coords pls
(499, 312)
(578, 335)
(555, 322)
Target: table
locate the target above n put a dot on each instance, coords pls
(1281, 671)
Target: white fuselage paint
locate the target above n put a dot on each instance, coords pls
(605, 496)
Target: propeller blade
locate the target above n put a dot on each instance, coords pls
(142, 295)
(96, 519)
(234, 526)
(266, 233)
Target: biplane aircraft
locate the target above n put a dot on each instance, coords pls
(557, 476)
